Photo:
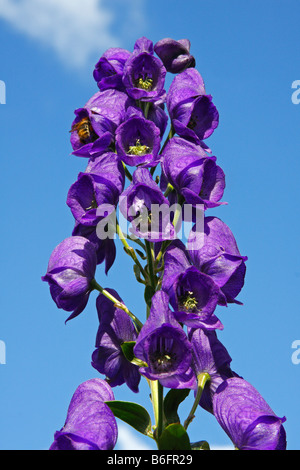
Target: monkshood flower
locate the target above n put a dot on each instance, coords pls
(138, 141)
(93, 129)
(88, 193)
(209, 355)
(108, 71)
(164, 347)
(109, 167)
(216, 254)
(196, 176)
(246, 417)
(88, 129)
(99, 186)
(90, 424)
(144, 74)
(71, 269)
(105, 249)
(193, 294)
(175, 55)
(143, 204)
(192, 112)
(115, 329)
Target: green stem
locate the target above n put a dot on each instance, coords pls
(127, 172)
(129, 250)
(149, 251)
(157, 403)
(94, 285)
(202, 379)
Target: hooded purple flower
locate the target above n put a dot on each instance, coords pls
(87, 194)
(90, 131)
(175, 55)
(246, 418)
(71, 269)
(138, 141)
(109, 68)
(100, 185)
(115, 329)
(216, 254)
(105, 248)
(164, 347)
(93, 129)
(209, 355)
(90, 424)
(192, 173)
(144, 74)
(144, 205)
(193, 295)
(192, 112)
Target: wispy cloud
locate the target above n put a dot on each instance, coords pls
(76, 30)
(127, 440)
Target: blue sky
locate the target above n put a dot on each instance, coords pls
(248, 54)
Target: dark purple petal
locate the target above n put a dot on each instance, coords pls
(164, 346)
(144, 205)
(137, 141)
(90, 424)
(144, 75)
(115, 328)
(175, 55)
(108, 71)
(247, 418)
(216, 253)
(71, 268)
(209, 355)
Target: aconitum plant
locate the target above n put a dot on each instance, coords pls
(149, 173)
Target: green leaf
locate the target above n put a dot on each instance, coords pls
(131, 413)
(200, 445)
(174, 437)
(171, 403)
(127, 349)
(149, 293)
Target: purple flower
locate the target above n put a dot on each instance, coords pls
(193, 294)
(192, 173)
(216, 254)
(87, 194)
(246, 418)
(105, 248)
(144, 74)
(93, 129)
(138, 141)
(109, 167)
(90, 424)
(115, 329)
(90, 130)
(144, 205)
(71, 269)
(164, 347)
(175, 55)
(108, 71)
(209, 355)
(192, 112)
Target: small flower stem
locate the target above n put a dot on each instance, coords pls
(149, 251)
(127, 172)
(129, 250)
(157, 402)
(201, 379)
(94, 285)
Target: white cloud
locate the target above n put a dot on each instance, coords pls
(75, 29)
(127, 440)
